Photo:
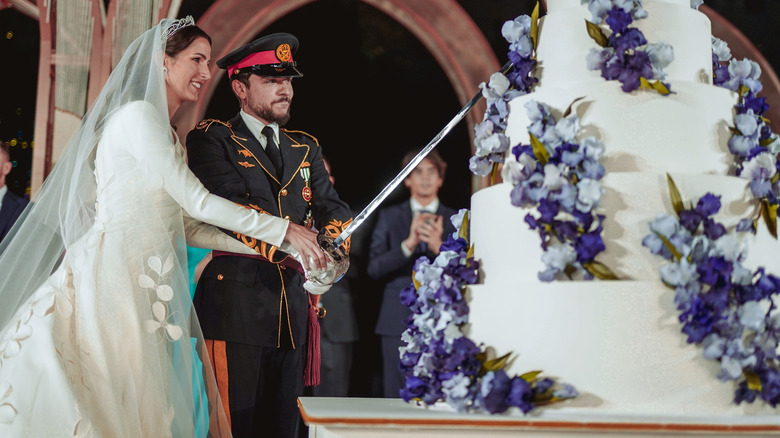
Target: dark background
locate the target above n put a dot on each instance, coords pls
(371, 92)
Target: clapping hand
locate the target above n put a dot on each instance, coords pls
(430, 229)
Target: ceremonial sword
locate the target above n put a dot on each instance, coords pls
(374, 204)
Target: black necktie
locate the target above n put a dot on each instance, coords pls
(273, 150)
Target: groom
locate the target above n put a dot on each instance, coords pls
(254, 309)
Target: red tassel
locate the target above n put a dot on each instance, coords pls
(311, 371)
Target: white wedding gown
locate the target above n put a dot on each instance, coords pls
(105, 347)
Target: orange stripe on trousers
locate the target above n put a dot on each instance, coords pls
(218, 355)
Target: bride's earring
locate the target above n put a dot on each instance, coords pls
(165, 70)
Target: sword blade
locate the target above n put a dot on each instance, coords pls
(374, 204)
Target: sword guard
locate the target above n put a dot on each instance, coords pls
(320, 280)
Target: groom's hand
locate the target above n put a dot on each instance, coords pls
(304, 241)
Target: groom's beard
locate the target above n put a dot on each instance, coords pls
(267, 113)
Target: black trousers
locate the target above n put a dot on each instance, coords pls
(264, 385)
(393, 379)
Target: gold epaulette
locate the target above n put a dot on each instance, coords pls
(288, 131)
(206, 124)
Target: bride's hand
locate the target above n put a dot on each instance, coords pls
(304, 241)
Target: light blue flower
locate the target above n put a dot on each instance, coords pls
(593, 147)
(720, 48)
(744, 72)
(747, 123)
(496, 87)
(483, 130)
(679, 274)
(497, 143)
(661, 54)
(566, 391)
(480, 166)
(566, 197)
(730, 369)
(567, 128)
(742, 145)
(554, 177)
(665, 225)
(558, 256)
(598, 9)
(741, 275)
(597, 58)
(537, 112)
(714, 346)
(774, 146)
(752, 315)
(696, 3)
(589, 196)
(731, 248)
(515, 29)
(762, 167)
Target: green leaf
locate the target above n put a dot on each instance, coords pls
(464, 227)
(769, 211)
(669, 246)
(658, 86)
(535, 26)
(417, 284)
(530, 376)
(496, 364)
(571, 105)
(743, 90)
(753, 381)
(767, 142)
(470, 253)
(540, 152)
(600, 270)
(674, 195)
(597, 34)
(493, 173)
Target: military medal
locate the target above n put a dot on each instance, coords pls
(306, 192)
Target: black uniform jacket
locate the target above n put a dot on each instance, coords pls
(245, 300)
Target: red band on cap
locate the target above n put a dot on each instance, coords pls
(258, 58)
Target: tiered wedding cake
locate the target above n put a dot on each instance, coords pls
(618, 342)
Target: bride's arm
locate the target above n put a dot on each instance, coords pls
(203, 235)
(148, 141)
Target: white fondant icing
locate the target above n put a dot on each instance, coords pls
(618, 342)
(561, 52)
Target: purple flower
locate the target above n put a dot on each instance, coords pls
(588, 246)
(520, 395)
(628, 41)
(618, 20)
(708, 205)
(493, 392)
(414, 388)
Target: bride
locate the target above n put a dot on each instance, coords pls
(97, 332)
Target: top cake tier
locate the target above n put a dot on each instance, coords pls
(564, 42)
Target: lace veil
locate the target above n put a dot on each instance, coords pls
(140, 267)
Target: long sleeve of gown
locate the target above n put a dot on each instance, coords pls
(156, 154)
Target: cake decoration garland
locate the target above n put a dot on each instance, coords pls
(733, 314)
(753, 144)
(625, 55)
(439, 362)
(561, 177)
(490, 140)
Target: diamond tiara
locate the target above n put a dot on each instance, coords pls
(177, 25)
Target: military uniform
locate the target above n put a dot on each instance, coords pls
(253, 311)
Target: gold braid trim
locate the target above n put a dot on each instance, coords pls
(259, 246)
(336, 227)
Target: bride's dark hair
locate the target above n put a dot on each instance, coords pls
(183, 38)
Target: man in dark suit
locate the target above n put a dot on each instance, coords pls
(254, 310)
(405, 232)
(12, 204)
